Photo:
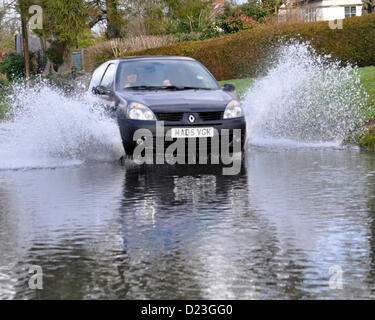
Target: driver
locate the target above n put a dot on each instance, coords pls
(132, 79)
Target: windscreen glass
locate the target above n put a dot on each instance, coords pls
(174, 73)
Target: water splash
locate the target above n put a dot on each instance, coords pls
(305, 100)
(48, 129)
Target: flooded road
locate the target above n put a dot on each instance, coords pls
(281, 229)
(298, 222)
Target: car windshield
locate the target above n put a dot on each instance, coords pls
(166, 74)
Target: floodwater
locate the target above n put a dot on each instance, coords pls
(296, 223)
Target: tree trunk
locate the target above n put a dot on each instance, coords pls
(368, 6)
(48, 69)
(66, 67)
(25, 37)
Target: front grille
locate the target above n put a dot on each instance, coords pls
(178, 116)
(211, 116)
(170, 116)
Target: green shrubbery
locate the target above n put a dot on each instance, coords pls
(246, 53)
(238, 21)
(365, 140)
(13, 65)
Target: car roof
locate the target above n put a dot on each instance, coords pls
(155, 58)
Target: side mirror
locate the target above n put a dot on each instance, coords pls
(101, 90)
(229, 87)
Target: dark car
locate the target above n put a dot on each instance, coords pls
(178, 91)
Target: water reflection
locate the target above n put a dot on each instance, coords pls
(161, 232)
(317, 203)
(169, 229)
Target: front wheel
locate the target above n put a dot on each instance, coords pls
(128, 149)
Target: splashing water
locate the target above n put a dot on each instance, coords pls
(48, 129)
(305, 100)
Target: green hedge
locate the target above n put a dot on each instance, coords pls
(245, 53)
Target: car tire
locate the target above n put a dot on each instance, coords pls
(128, 150)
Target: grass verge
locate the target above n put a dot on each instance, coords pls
(242, 85)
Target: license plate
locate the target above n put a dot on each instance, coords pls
(192, 133)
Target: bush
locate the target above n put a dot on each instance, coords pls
(13, 65)
(238, 22)
(121, 47)
(256, 10)
(246, 53)
(192, 36)
(3, 80)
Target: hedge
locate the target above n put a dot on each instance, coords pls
(245, 53)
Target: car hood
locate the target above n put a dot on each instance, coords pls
(184, 101)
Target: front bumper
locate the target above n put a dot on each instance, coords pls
(128, 128)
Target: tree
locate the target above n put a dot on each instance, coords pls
(256, 9)
(261, 8)
(23, 9)
(67, 19)
(114, 19)
(96, 12)
(63, 22)
(6, 27)
(189, 15)
(111, 12)
(146, 17)
(368, 6)
(2, 18)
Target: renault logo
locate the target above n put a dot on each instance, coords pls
(191, 119)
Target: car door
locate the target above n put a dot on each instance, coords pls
(107, 86)
(96, 78)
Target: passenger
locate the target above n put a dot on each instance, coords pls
(167, 83)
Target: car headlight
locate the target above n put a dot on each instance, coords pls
(233, 110)
(138, 111)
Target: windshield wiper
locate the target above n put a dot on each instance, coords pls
(193, 88)
(152, 88)
(182, 88)
(165, 88)
(141, 88)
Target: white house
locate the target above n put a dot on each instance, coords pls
(321, 10)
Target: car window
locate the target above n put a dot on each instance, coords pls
(97, 76)
(109, 77)
(181, 73)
